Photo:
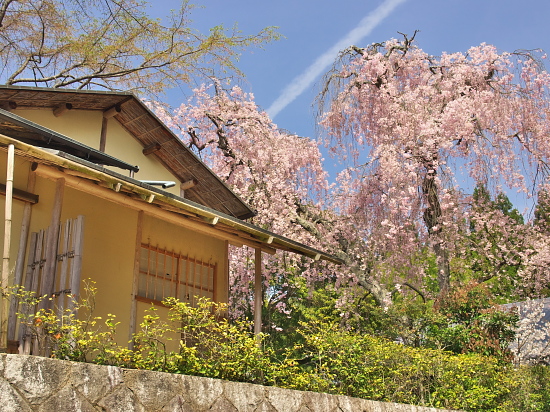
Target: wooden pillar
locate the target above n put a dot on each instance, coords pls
(7, 243)
(48, 279)
(76, 267)
(31, 276)
(20, 263)
(103, 136)
(226, 272)
(133, 309)
(107, 114)
(258, 292)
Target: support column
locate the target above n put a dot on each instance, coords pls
(137, 257)
(258, 292)
(7, 243)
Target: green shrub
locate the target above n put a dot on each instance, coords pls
(373, 368)
(325, 358)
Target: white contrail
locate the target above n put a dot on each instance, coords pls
(304, 80)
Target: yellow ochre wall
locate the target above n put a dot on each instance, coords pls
(110, 232)
(84, 126)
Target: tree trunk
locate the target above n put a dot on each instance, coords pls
(432, 216)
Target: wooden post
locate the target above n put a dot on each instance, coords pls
(137, 256)
(107, 114)
(48, 278)
(103, 136)
(258, 292)
(64, 247)
(31, 346)
(226, 271)
(7, 243)
(20, 263)
(76, 267)
(24, 340)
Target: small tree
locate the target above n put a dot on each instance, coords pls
(112, 44)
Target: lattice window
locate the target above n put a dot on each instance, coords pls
(164, 273)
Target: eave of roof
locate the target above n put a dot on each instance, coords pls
(32, 133)
(223, 222)
(144, 125)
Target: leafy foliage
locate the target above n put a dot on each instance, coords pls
(473, 324)
(326, 357)
(111, 44)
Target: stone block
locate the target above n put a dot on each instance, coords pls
(68, 399)
(121, 399)
(285, 400)
(321, 402)
(179, 404)
(153, 389)
(244, 396)
(223, 405)
(36, 378)
(203, 392)
(10, 400)
(265, 406)
(95, 381)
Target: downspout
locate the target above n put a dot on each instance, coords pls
(6, 254)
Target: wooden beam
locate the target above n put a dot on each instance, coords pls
(8, 106)
(152, 148)
(25, 196)
(64, 247)
(111, 112)
(258, 292)
(7, 243)
(212, 220)
(188, 184)
(76, 173)
(61, 109)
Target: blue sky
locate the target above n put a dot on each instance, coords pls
(313, 27)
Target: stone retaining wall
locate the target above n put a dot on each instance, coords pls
(31, 383)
